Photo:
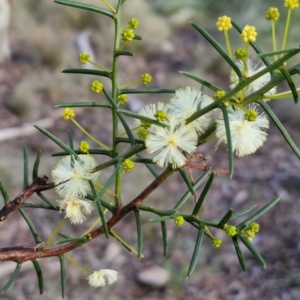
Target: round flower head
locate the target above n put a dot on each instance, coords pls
(291, 4)
(102, 277)
(71, 176)
(257, 84)
(127, 35)
(246, 136)
(186, 102)
(150, 111)
(217, 242)
(224, 23)
(231, 230)
(146, 78)
(84, 147)
(249, 34)
(68, 113)
(97, 86)
(133, 23)
(272, 14)
(170, 145)
(76, 209)
(84, 57)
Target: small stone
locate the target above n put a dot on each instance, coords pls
(241, 196)
(154, 277)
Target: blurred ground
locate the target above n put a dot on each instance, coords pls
(32, 83)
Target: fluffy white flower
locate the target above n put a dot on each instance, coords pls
(170, 145)
(186, 102)
(257, 84)
(150, 110)
(246, 136)
(71, 176)
(76, 209)
(102, 277)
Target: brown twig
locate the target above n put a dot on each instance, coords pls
(38, 186)
(22, 254)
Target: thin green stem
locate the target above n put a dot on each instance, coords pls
(109, 6)
(247, 48)
(55, 232)
(229, 51)
(155, 210)
(130, 83)
(126, 245)
(286, 29)
(93, 225)
(90, 136)
(280, 96)
(99, 67)
(133, 129)
(274, 39)
(76, 263)
(114, 94)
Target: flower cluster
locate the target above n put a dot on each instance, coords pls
(230, 230)
(84, 57)
(133, 23)
(250, 231)
(128, 165)
(217, 243)
(247, 135)
(68, 114)
(172, 143)
(71, 177)
(84, 147)
(122, 99)
(291, 4)
(272, 14)
(249, 34)
(179, 221)
(96, 86)
(146, 78)
(128, 32)
(224, 23)
(102, 277)
(249, 69)
(186, 102)
(127, 35)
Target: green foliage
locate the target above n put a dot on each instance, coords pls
(173, 141)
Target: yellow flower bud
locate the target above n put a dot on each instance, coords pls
(68, 113)
(97, 86)
(84, 57)
(217, 242)
(143, 132)
(224, 23)
(249, 34)
(161, 116)
(272, 14)
(179, 221)
(127, 35)
(122, 99)
(291, 4)
(146, 78)
(254, 227)
(128, 165)
(133, 23)
(251, 115)
(230, 230)
(84, 146)
(219, 94)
